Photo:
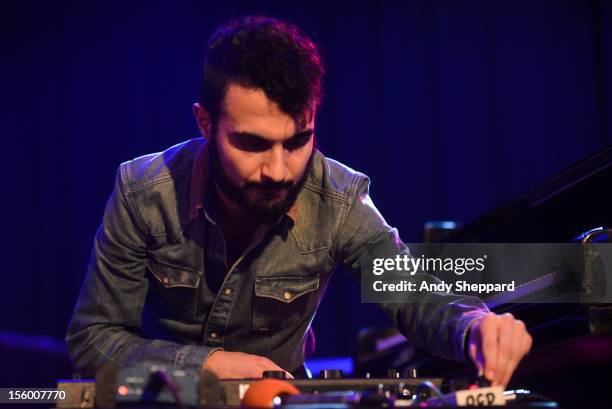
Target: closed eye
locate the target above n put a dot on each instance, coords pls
(298, 141)
(249, 142)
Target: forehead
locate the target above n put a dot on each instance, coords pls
(250, 110)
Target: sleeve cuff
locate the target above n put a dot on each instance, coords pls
(193, 357)
(463, 331)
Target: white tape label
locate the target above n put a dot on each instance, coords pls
(492, 395)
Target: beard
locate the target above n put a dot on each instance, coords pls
(266, 200)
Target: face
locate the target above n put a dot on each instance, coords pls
(259, 157)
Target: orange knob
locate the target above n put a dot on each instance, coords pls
(261, 394)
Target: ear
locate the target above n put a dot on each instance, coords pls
(202, 118)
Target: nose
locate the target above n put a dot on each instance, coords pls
(274, 168)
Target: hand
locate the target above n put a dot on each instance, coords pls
(232, 365)
(497, 343)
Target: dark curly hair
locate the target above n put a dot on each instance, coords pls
(262, 52)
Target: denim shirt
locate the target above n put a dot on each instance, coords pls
(159, 290)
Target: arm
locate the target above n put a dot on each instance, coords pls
(106, 318)
(443, 324)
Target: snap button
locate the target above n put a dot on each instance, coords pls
(165, 280)
(213, 335)
(287, 295)
(227, 291)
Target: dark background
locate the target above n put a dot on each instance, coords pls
(450, 107)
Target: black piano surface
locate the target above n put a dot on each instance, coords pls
(572, 201)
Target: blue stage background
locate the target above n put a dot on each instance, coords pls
(450, 107)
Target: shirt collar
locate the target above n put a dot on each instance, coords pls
(200, 175)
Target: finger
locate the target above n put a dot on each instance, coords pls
(505, 347)
(521, 346)
(528, 343)
(512, 364)
(267, 365)
(489, 334)
(476, 358)
(517, 352)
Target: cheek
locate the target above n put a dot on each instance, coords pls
(298, 161)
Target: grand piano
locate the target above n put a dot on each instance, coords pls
(571, 359)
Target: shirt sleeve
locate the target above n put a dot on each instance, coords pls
(437, 322)
(107, 316)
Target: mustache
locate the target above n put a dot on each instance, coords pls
(269, 186)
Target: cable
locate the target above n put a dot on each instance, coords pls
(524, 395)
(427, 386)
(163, 377)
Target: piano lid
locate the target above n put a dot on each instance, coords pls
(574, 200)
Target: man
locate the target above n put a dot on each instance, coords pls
(215, 253)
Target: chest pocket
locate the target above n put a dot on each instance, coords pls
(177, 287)
(282, 301)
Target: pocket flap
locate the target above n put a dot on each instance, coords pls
(285, 289)
(173, 276)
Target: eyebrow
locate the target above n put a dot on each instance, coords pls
(307, 133)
